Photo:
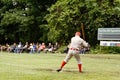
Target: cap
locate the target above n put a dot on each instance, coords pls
(78, 33)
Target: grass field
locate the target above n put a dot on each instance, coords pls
(43, 67)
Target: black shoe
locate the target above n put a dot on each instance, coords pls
(58, 70)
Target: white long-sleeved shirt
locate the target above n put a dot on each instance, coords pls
(77, 42)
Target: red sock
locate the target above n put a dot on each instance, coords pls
(62, 64)
(80, 67)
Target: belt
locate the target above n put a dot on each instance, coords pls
(74, 49)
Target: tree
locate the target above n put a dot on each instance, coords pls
(65, 17)
(23, 20)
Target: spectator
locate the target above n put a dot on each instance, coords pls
(34, 48)
(67, 48)
(31, 48)
(19, 48)
(82, 50)
(49, 48)
(3, 48)
(41, 47)
(7, 47)
(56, 46)
(12, 48)
(85, 49)
(26, 47)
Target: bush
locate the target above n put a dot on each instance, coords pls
(105, 50)
(61, 49)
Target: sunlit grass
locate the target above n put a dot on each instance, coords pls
(42, 67)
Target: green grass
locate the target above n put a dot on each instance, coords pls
(42, 67)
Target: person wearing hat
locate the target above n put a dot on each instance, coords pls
(75, 45)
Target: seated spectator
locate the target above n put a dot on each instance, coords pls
(34, 48)
(41, 47)
(87, 49)
(56, 46)
(3, 48)
(12, 48)
(84, 49)
(49, 48)
(7, 47)
(67, 48)
(37, 46)
(19, 48)
(26, 47)
(31, 48)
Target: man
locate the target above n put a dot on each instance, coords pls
(74, 49)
